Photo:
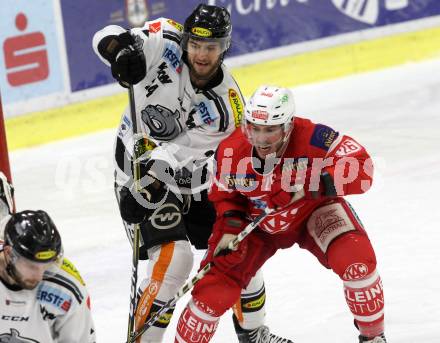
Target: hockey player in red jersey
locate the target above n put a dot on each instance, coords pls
(188, 102)
(301, 171)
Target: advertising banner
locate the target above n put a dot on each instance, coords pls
(257, 24)
(31, 64)
(30, 60)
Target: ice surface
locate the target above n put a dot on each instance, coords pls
(395, 113)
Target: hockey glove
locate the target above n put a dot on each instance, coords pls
(129, 67)
(227, 259)
(126, 58)
(6, 194)
(225, 229)
(156, 177)
(131, 210)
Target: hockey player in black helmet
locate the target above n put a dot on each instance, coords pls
(189, 102)
(42, 295)
(32, 245)
(206, 39)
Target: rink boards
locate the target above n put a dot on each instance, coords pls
(366, 47)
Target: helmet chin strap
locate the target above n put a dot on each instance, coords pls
(283, 146)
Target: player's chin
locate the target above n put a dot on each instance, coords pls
(263, 152)
(204, 71)
(29, 284)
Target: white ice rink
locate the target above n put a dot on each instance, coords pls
(395, 113)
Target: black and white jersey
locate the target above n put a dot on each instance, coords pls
(56, 311)
(186, 123)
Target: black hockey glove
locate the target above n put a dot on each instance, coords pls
(156, 176)
(126, 58)
(129, 67)
(131, 210)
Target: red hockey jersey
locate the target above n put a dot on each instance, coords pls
(243, 181)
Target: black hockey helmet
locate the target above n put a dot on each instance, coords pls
(210, 23)
(33, 235)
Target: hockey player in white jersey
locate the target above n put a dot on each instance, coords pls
(42, 296)
(188, 103)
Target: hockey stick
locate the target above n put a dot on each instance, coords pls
(190, 284)
(139, 149)
(142, 144)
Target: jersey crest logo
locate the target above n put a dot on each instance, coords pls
(355, 271)
(14, 337)
(280, 221)
(162, 122)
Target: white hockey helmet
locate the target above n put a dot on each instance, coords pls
(269, 106)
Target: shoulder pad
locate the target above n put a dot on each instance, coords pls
(237, 106)
(62, 281)
(69, 268)
(175, 24)
(323, 136)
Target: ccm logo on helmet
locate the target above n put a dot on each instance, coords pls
(202, 32)
(166, 217)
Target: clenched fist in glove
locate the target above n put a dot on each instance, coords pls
(225, 258)
(226, 228)
(126, 58)
(130, 208)
(156, 176)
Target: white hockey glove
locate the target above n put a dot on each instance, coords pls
(6, 196)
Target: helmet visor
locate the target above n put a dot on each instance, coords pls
(32, 269)
(192, 43)
(263, 135)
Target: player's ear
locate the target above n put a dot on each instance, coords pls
(7, 250)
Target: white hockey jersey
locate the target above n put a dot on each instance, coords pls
(185, 123)
(56, 311)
